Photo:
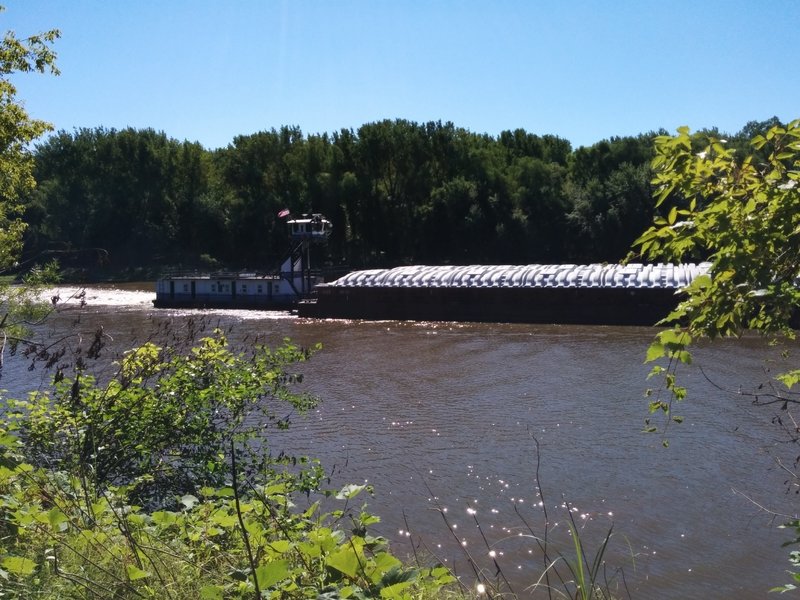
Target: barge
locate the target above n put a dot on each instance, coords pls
(278, 290)
(595, 294)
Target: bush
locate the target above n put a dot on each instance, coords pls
(156, 484)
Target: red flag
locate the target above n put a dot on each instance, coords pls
(283, 213)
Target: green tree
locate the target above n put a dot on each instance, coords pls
(610, 197)
(17, 131)
(743, 217)
(540, 207)
(742, 214)
(256, 183)
(606, 216)
(94, 184)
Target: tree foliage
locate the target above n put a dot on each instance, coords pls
(17, 131)
(161, 422)
(397, 191)
(741, 213)
(19, 306)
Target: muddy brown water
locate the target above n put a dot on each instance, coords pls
(446, 416)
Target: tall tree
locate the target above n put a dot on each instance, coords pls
(17, 131)
(20, 305)
(95, 184)
(610, 196)
(258, 182)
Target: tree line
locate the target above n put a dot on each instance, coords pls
(398, 192)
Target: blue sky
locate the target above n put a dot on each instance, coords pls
(584, 70)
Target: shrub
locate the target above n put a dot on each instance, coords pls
(157, 484)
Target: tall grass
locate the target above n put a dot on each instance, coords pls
(568, 568)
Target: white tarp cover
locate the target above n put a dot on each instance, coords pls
(528, 276)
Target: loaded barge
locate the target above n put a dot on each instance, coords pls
(596, 294)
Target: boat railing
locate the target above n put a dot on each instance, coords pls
(200, 274)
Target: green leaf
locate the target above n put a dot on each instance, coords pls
(654, 352)
(385, 562)
(58, 520)
(9, 439)
(135, 573)
(350, 491)
(674, 337)
(395, 590)
(700, 282)
(344, 560)
(164, 518)
(442, 575)
(664, 193)
(790, 378)
(280, 546)
(271, 573)
(211, 592)
(19, 565)
(224, 519)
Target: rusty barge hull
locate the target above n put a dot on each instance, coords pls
(568, 306)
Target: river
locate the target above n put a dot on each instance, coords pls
(446, 417)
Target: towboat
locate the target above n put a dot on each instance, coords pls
(278, 290)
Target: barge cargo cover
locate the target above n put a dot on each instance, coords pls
(595, 294)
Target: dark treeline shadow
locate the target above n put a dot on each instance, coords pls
(398, 192)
